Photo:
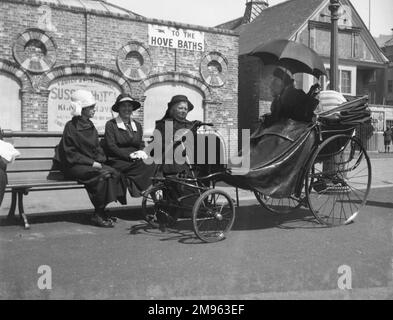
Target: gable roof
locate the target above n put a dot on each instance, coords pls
(287, 19)
(388, 43)
(370, 40)
(277, 22)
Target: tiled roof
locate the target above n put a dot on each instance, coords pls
(93, 5)
(276, 22)
(388, 43)
(382, 39)
(231, 25)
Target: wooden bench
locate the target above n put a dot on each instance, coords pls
(34, 170)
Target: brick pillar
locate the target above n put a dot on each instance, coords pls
(225, 121)
(35, 110)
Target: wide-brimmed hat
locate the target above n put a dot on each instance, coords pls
(81, 99)
(180, 98)
(125, 97)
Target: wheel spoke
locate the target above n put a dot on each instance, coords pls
(336, 185)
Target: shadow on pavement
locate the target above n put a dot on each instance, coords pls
(252, 217)
(78, 217)
(388, 205)
(248, 217)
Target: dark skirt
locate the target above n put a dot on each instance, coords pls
(138, 174)
(103, 186)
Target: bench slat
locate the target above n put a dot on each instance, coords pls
(30, 165)
(20, 142)
(36, 153)
(30, 177)
(45, 185)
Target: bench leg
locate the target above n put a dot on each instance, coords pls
(21, 209)
(11, 213)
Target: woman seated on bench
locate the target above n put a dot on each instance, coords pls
(123, 144)
(83, 159)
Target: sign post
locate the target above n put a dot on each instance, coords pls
(334, 7)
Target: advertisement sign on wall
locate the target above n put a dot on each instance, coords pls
(378, 120)
(176, 38)
(59, 108)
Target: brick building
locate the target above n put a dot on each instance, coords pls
(49, 48)
(308, 22)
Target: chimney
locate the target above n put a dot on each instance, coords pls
(254, 9)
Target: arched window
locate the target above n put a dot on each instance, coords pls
(10, 103)
(158, 96)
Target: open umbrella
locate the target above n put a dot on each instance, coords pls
(294, 56)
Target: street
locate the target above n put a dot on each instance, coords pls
(266, 256)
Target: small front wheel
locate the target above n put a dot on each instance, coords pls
(155, 202)
(213, 215)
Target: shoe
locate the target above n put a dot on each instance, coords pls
(100, 222)
(109, 218)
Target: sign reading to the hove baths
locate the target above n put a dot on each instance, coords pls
(176, 38)
(59, 104)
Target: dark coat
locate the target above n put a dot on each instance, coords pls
(79, 148)
(292, 104)
(81, 144)
(172, 168)
(118, 144)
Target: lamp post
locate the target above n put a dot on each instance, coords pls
(334, 7)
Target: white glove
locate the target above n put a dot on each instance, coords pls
(139, 155)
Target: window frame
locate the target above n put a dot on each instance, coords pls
(353, 78)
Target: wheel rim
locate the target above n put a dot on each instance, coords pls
(283, 205)
(337, 186)
(213, 216)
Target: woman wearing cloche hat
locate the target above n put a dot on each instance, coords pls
(124, 145)
(83, 159)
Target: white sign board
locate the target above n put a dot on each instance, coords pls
(59, 108)
(176, 38)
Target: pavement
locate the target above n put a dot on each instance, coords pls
(59, 202)
(265, 257)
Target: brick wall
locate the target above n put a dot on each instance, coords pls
(78, 53)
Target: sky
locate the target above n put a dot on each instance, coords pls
(213, 12)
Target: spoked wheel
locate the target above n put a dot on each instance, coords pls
(283, 206)
(213, 215)
(155, 202)
(338, 183)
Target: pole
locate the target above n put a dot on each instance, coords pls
(334, 7)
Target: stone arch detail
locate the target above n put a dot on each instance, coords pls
(19, 74)
(85, 70)
(177, 77)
